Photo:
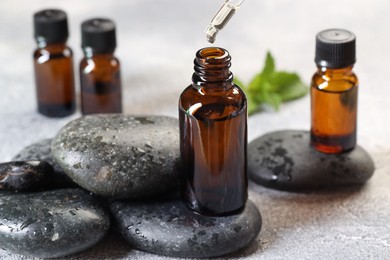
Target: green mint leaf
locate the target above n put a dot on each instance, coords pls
(289, 85)
(271, 87)
(272, 98)
(282, 79)
(258, 89)
(269, 66)
(296, 90)
(252, 105)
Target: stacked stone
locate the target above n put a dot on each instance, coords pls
(56, 196)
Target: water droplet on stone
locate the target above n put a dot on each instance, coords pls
(138, 152)
(26, 223)
(48, 228)
(137, 231)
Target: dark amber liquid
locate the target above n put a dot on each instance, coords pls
(54, 79)
(334, 110)
(214, 150)
(100, 85)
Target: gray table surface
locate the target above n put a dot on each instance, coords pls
(157, 43)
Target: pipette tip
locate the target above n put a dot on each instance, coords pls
(211, 33)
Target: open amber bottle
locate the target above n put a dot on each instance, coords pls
(213, 134)
(334, 92)
(53, 64)
(100, 80)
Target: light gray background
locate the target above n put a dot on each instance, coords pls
(157, 43)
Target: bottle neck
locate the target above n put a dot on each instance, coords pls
(212, 69)
(335, 73)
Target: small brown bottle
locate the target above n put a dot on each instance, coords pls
(334, 92)
(99, 70)
(213, 134)
(53, 64)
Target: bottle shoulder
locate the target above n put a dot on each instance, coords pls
(334, 82)
(231, 100)
(100, 64)
(51, 52)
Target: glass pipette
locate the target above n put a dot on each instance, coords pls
(222, 18)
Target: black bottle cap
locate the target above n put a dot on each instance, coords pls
(99, 35)
(51, 26)
(335, 48)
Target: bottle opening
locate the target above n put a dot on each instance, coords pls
(213, 53)
(212, 67)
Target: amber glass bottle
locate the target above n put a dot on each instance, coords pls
(53, 64)
(213, 133)
(334, 92)
(99, 70)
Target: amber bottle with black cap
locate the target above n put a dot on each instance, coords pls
(99, 70)
(334, 92)
(53, 64)
(213, 137)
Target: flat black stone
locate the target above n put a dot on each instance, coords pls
(120, 156)
(52, 223)
(169, 228)
(285, 160)
(25, 176)
(41, 151)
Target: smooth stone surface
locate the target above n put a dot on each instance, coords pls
(120, 156)
(169, 228)
(285, 160)
(41, 151)
(51, 224)
(25, 176)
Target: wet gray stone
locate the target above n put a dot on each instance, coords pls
(120, 156)
(52, 223)
(285, 160)
(25, 176)
(167, 227)
(41, 151)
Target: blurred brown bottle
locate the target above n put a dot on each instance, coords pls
(334, 92)
(213, 134)
(53, 64)
(99, 70)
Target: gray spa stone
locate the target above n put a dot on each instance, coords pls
(285, 160)
(41, 151)
(120, 156)
(25, 176)
(52, 223)
(169, 228)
